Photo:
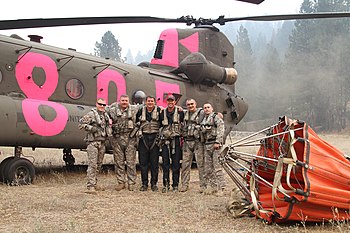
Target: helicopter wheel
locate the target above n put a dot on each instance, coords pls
(19, 171)
(2, 168)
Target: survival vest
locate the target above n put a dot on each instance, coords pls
(152, 126)
(192, 121)
(209, 127)
(98, 120)
(123, 121)
(174, 129)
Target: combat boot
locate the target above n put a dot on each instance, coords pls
(131, 187)
(154, 188)
(184, 189)
(208, 191)
(175, 189)
(166, 189)
(120, 187)
(143, 188)
(91, 190)
(100, 188)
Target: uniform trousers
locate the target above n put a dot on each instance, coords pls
(124, 153)
(171, 151)
(149, 157)
(95, 153)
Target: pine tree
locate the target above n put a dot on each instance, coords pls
(245, 65)
(317, 63)
(129, 57)
(108, 47)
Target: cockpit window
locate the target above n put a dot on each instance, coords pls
(74, 88)
(159, 50)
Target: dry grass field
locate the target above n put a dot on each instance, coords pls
(56, 202)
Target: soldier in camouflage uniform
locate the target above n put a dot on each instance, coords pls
(123, 143)
(96, 123)
(193, 145)
(213, 129)
(172, 118)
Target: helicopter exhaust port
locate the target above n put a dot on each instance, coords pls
(35, 38)
(198, 69)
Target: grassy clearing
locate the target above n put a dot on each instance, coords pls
(56, 202)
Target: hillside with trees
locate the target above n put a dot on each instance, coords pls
(306, 76)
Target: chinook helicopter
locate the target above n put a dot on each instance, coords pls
(45, 90)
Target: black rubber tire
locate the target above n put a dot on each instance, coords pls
(20, 171)
(2, 168)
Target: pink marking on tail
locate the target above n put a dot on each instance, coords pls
(171, 49)
(191, 43)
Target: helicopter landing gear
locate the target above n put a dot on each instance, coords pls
(16, 170)
(68, 158)
(3, 164)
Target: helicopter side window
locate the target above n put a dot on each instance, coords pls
(74, 89)
(159, 50)
(0, 76)
(139, 97)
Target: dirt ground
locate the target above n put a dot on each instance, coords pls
(56, 202)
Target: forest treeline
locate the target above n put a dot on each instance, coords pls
(304, 75)
(299, 68)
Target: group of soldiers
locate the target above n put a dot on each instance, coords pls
(171, 132)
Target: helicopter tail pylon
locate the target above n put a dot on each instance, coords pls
(293, 175)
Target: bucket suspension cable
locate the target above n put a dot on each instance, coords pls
(253, 134)
(285, 156)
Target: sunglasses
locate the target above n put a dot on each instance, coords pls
(101, 104)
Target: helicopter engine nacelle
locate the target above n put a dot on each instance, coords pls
(198, 69)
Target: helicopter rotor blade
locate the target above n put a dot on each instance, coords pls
(320, 15)
(54, 22)
(189, 20)
(252, 1)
